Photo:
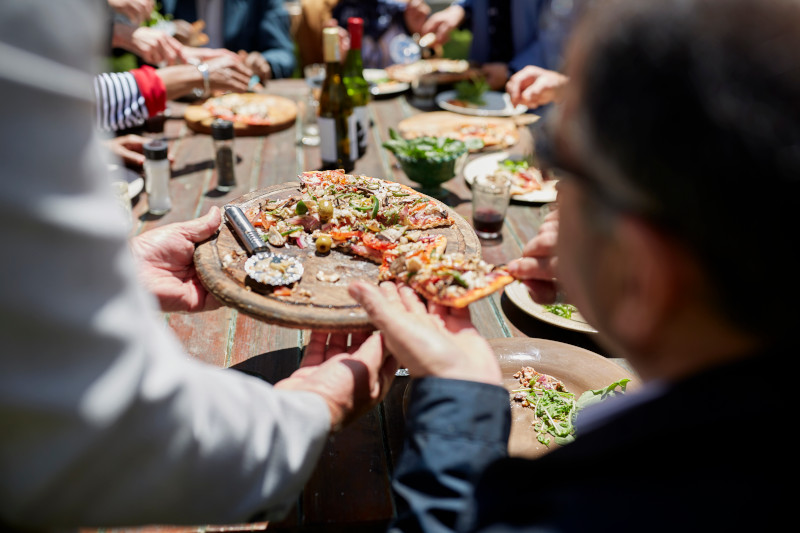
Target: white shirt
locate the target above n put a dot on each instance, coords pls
(104, 420)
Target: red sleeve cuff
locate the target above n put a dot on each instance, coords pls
(152, 88)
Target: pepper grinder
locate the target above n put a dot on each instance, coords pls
(222, 133)
(156, 170)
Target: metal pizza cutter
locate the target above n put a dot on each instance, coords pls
(263, 265)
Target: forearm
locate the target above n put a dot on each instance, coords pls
(180, 80)
(454, 430)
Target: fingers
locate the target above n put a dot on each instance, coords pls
(411, 301)
(202, 228)
(130, 156)
(532, 268)
(373, 301)
(315, 351)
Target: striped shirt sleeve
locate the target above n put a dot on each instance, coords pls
(119, 102)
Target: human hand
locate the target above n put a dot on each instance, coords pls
(435, 341)
(535, 86)
(351, 380)
(415, 15)
(136, 11)
(496, 75)
(129, 148)
(153, 46)
(166, 266)
(442, 23)
(229, 74)
(255, 61)
(537, 266)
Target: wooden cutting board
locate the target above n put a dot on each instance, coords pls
(439, 123)
(282, 111)
(220, 266)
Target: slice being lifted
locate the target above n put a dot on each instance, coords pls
(383, 222)
(448, 279)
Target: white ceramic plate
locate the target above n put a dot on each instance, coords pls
(134, 179)
(497, 105)
(487, 164)
(381, 84)
(518, 293)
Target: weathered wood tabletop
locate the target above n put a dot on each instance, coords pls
(349, 491)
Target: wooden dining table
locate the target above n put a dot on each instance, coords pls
(350, 488)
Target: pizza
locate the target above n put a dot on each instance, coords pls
(251, 113)
(523, 177)
(383, 222)
(491, 134)
(448, 279)
(494, 132)
(248, 108)
(443, 70)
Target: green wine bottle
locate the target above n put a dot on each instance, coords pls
(357, 86)
(337, 122)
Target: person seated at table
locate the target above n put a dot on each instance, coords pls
(383, 21)
(126, 99)
(106, 421)
(507, 35)
(673, 109)
(258, 30)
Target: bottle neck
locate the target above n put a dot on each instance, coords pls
(353, 62)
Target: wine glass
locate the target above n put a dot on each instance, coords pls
(314, 75)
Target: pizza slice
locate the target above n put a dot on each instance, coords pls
(524, 178)
(448, 279)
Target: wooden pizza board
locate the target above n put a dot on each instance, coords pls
(220, 265)
(436, 122)
(285, 113)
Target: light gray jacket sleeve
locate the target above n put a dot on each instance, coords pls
(104, 420)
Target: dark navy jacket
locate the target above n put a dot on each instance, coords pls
(250, 25)
(711, 453)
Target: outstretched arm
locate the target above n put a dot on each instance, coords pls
(458, 419)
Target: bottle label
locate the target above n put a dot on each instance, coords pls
(361, 127)
(327, 138)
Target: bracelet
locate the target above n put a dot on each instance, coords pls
(203, 69)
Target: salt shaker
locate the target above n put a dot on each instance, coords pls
(222, 133)
(156, 170)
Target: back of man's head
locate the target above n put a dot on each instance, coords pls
(696, 105)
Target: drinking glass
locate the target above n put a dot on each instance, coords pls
(314, 76)
(491, 195)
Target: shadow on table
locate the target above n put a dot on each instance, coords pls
(271, 366)
(533, 327)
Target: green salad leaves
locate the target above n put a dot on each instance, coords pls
(513, 165)
(472, 91)
(556, 410)
(564, 310)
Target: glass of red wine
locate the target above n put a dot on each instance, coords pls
(490, 197)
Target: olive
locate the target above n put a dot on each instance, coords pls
(325, 208)
(324, 243)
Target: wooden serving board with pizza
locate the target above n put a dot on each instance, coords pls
(319, 300)
(497, 133)
(252, 114)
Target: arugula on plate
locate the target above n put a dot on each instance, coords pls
(556, 410)
(562, 310)
(513, 165)
(472, 91)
